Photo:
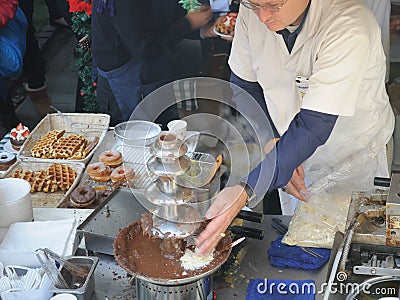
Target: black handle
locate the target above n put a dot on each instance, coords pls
(251, 216)
(382, 181)
(248, 232)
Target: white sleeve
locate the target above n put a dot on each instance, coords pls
(240, 60)
(337, 75)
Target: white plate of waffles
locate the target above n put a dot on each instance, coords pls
(226, 25)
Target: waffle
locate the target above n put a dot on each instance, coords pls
(90, 146)
(43, 146)
(56, 177)
(61, 175)
(57, 146)
(27, 175)
(68, 146)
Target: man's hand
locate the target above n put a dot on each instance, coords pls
(222, 212)
(394, 23)
(200, 18)
(296, 185)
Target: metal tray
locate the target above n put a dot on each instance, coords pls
(101, 227)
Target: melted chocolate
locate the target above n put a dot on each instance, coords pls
(146, 255)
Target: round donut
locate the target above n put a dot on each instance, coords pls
(6, 160)
(99, 172)
(122, 173)
(111, 158)
(83, 196)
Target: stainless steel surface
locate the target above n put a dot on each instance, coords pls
(176, 166)
(168, 146)
(197, 290)
(112, 282)
(101, 227)
(83, 291)
(393, 212)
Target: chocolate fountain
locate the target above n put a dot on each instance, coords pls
(159, 249)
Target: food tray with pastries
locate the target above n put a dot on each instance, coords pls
(51, 182)
(110, 169)
(67, 137)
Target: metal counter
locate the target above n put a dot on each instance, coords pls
(250, 260)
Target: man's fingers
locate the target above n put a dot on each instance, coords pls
(292, 190)
(300, 172)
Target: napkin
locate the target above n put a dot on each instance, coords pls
(277, 289)
(282, 255)
(23, 238)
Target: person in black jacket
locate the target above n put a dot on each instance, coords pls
(131, 43)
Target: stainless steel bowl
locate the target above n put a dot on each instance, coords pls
(137, 133)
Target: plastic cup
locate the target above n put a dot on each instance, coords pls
(15, 201)
(178, 127)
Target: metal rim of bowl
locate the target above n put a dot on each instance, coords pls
(118, 126)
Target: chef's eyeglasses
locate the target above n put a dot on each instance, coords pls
(266, 7)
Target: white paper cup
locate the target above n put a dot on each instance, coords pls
(64, 297)
(178, 127)
(15, 201)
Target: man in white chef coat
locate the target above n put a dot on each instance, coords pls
(318, 68)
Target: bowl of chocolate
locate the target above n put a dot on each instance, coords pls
(150, 259)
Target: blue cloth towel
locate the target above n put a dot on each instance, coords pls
(282, 255)
(277, 289)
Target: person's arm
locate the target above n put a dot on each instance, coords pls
(8, 9)
(307, 131)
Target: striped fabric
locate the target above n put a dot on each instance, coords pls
(185, 94)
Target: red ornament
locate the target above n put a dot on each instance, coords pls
(82, 94)
(95, 84)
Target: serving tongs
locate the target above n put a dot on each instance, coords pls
(48, 265)
(47, 259)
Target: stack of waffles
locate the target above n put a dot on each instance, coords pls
(57, 146)
(56, 177)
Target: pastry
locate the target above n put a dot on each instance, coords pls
(19, 135)
(68, 147)
(103, 194)
(6, 160)
(56, 177)
(111, 158)
(122, 173)
(99, 172)
(43, 146)
(83, 196)
(227, 25)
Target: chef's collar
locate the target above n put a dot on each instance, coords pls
(290, 36)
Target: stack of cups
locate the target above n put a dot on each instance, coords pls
(15, 201)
